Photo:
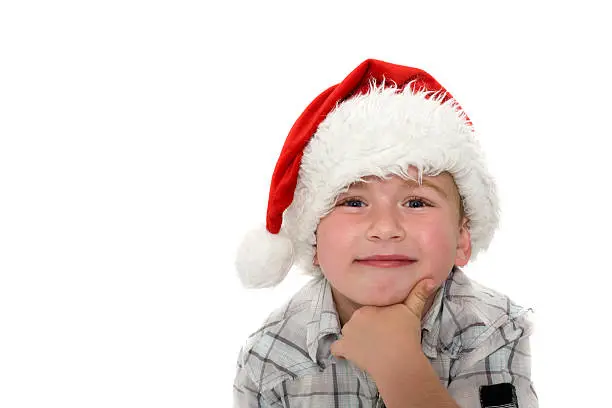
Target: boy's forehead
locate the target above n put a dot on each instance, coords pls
(441, 183)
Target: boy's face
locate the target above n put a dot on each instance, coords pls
(384, 236)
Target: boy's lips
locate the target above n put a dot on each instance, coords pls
(386, 261)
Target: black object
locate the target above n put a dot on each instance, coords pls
(498, 395)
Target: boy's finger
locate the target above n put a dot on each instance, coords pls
(337, 348)
(417, 298)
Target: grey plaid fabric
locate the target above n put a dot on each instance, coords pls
(472, 335)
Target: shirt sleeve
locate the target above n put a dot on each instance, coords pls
(246, 393)
(496, 375)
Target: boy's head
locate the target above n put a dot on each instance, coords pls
(385, 235)
(396, 137)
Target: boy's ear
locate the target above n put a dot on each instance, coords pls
(464, 244)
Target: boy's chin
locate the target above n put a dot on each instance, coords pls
(381, 300)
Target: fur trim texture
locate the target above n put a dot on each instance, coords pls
(263, 259)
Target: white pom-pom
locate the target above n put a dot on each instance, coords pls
(263, 259)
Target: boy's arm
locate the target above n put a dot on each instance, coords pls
(415, 385)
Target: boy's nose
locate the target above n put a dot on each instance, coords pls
(386, 225)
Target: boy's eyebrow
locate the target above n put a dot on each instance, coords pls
(429, 184)
(414, 184)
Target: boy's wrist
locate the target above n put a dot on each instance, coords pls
(414, 385)
(394, 375)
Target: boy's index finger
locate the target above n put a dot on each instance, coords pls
(419, 295)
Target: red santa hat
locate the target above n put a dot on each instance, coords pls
(381, 119)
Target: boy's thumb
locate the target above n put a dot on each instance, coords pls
(417, 298)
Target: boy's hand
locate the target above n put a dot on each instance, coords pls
(381, 339)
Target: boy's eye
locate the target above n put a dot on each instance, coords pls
(416, 203)
(352, 202)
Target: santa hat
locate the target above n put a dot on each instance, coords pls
(381, 119)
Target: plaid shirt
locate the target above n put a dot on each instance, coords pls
(476, 339)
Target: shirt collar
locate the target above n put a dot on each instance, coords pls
(324, 319)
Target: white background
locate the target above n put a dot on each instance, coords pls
(137, 141)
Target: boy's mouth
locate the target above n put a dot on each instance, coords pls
(386, 261)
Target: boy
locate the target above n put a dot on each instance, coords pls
(382, 194)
